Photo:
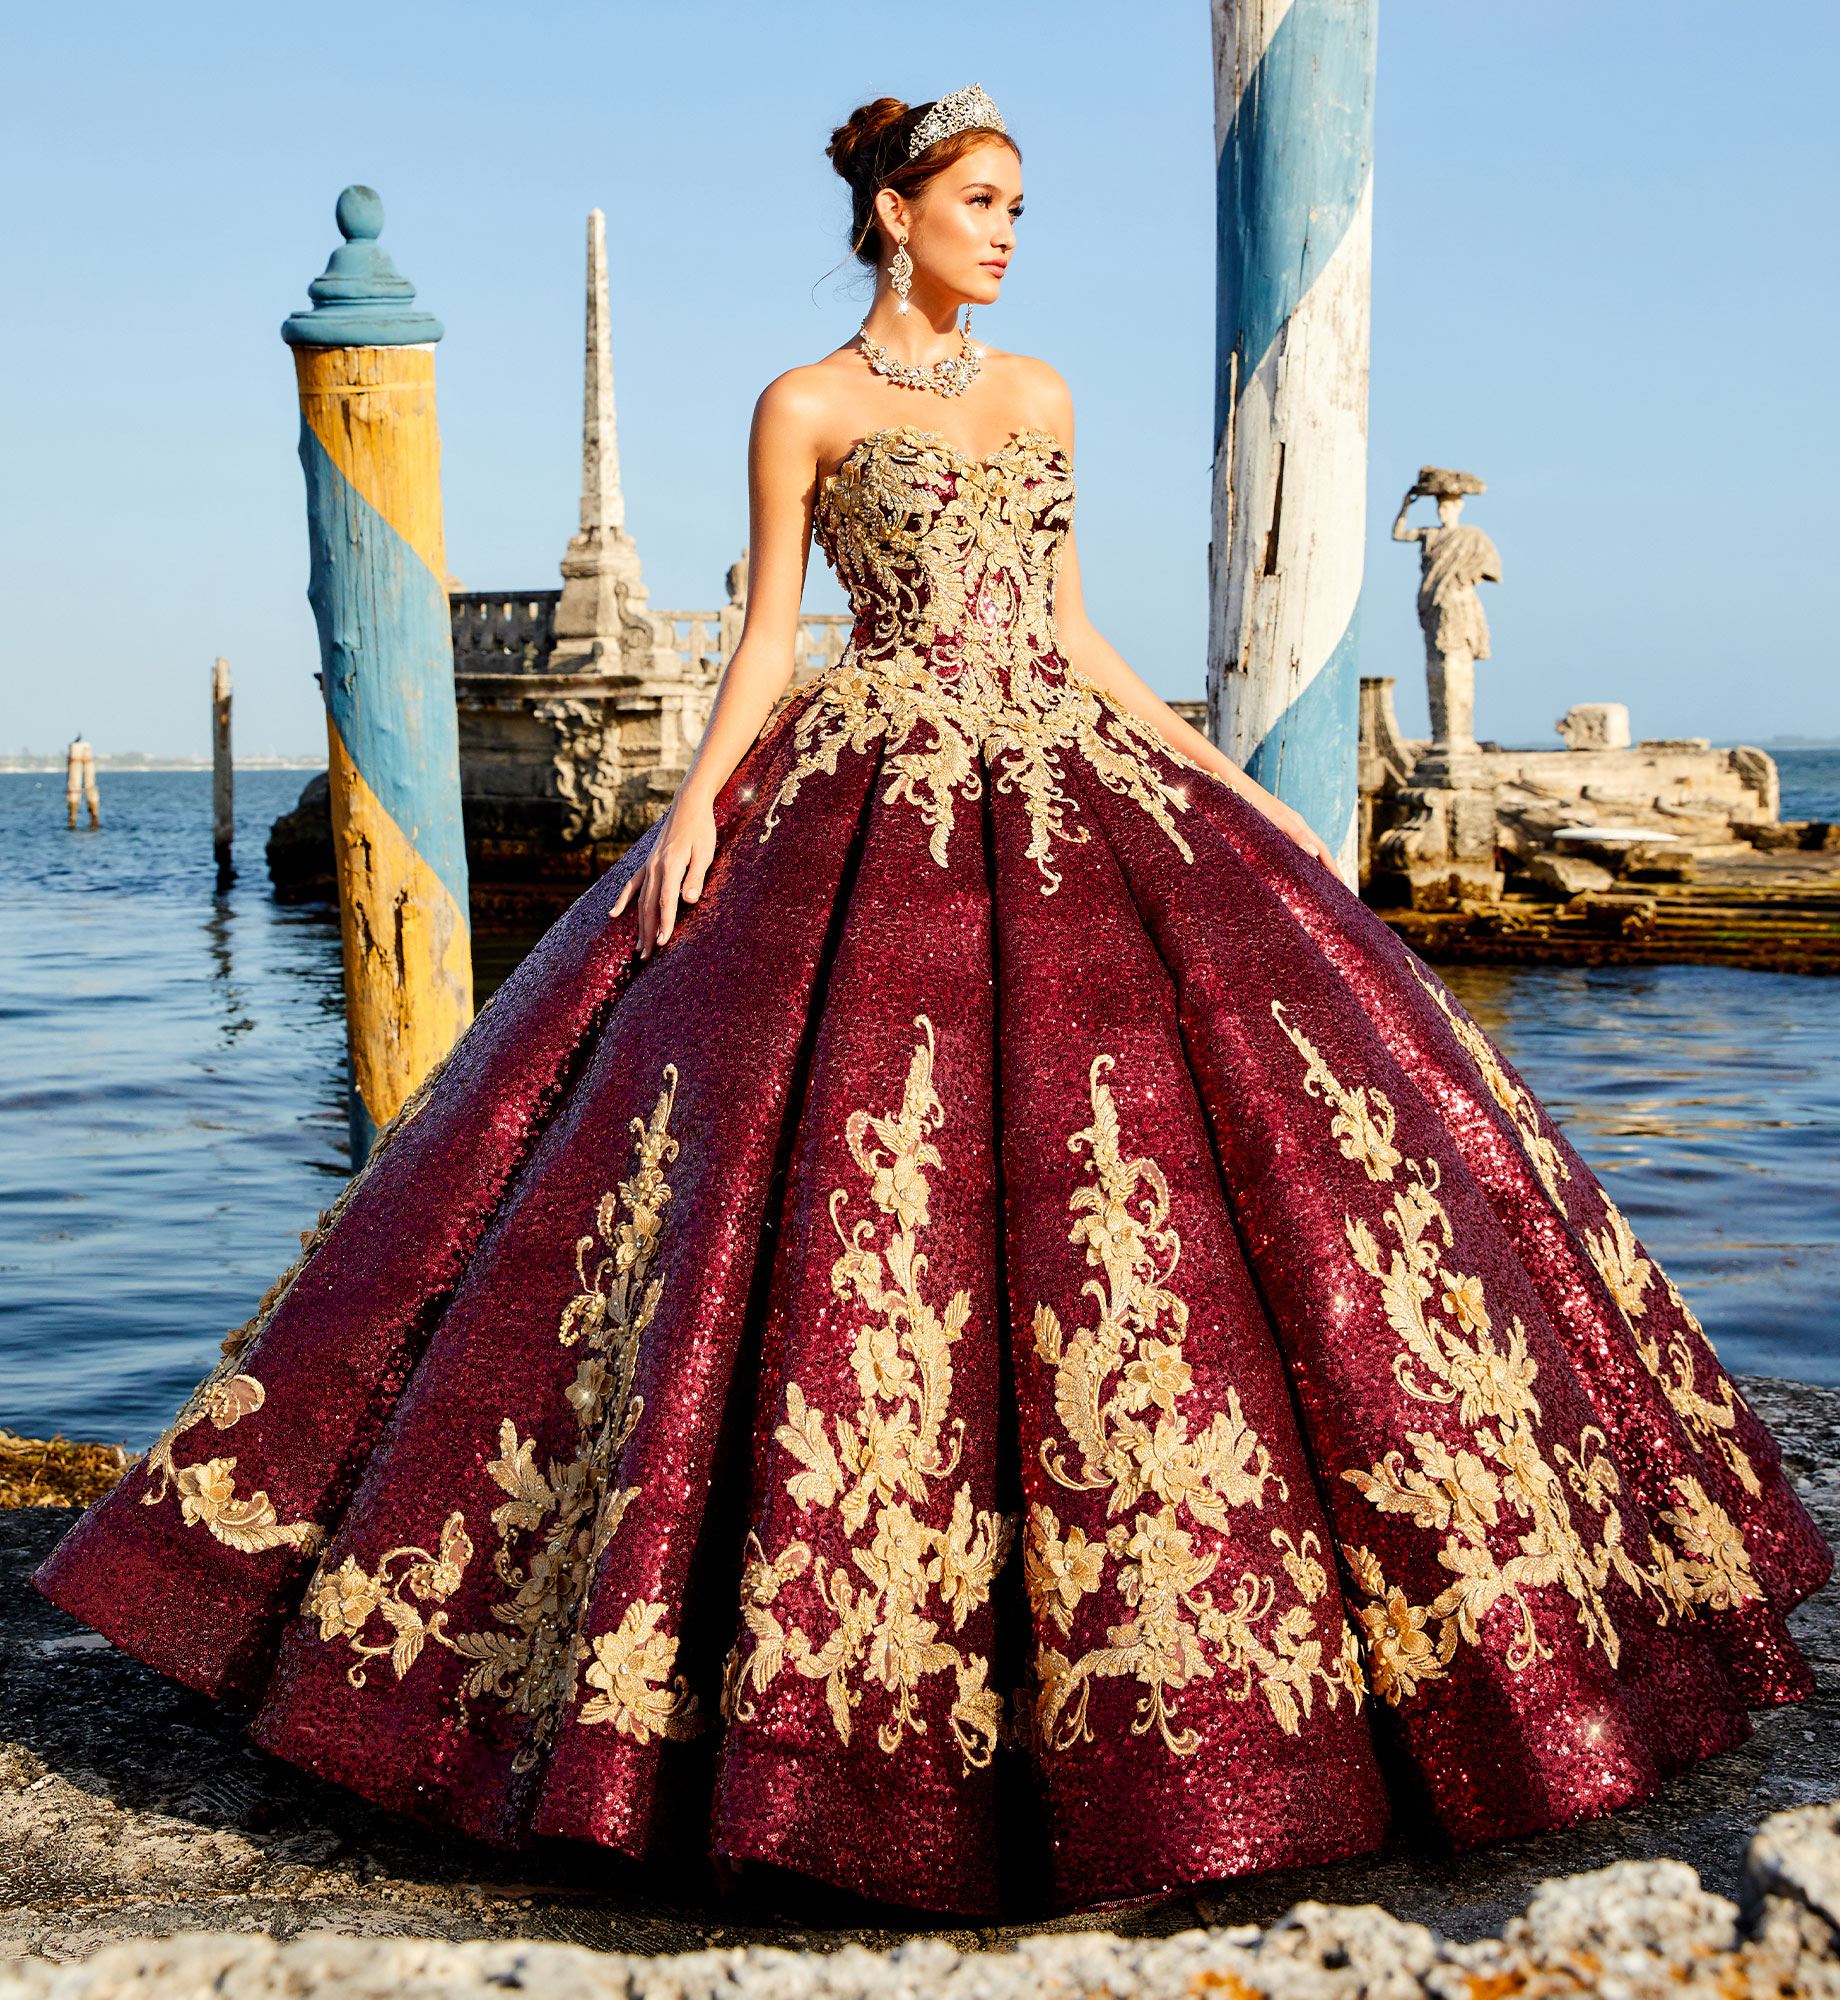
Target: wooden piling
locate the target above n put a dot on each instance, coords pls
(1294, 92)
(371, 451)
(223, 795)
(80, 782)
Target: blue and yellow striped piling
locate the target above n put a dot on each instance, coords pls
(1294, 92)
(371, 449)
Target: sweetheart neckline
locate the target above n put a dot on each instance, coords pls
(989, 458)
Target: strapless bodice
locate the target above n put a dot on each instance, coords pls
(950, 559)
(953, 665)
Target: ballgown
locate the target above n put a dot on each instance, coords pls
(1034, 1348)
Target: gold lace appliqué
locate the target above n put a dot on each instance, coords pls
(1504, 1479)
(567, 1511)
(950, 563)
(1523, 1113)
(206, 1490)
(872, 1469)
(1710, 1420)
(1628, 1275)
(1119, 1389)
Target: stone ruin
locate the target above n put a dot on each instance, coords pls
(581, 708)
(1451, 820)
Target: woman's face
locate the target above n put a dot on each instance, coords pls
(962, 230)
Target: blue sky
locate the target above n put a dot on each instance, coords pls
(1599, 282)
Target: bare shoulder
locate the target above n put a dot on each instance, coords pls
(794, 404)
(806, 408)
(1035, 389)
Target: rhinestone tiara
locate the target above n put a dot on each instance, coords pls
(964, 111)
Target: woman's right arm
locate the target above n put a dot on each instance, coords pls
(782, 488)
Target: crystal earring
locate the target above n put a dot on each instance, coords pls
(967, 330)
(901, 274)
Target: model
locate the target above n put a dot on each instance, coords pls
(969, 1322)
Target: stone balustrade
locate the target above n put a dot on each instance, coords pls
(503, 632)
(705, 639)
(514, 632)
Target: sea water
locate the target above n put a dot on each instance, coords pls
(172, 1114)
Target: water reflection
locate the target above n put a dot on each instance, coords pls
(218, 927)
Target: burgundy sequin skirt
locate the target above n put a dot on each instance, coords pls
(1022, 1353)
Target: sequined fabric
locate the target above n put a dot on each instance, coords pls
(1034, 1354)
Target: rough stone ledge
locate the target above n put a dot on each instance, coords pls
(135, 1817)
(1634, 1929)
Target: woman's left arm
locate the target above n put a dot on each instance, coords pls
(1091, 656)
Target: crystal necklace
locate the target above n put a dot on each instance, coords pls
(952, 375)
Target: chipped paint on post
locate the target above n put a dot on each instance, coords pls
(1294, 86)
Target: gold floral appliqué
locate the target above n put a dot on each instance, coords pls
(1710, 1420)
(1120, 1385)
(206, 1490)
(907, 1576)
(1557, 1502)
(950, 563)
(556, 1520)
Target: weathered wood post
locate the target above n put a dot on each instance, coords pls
(223, 795)
(1293, 112)
(80, 781)
(369, 444)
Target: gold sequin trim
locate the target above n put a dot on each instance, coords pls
(1120, 1386)
(907, 1576)
(556, 1520)
(1504, 1479)
(950, 563)
(1624, 1270)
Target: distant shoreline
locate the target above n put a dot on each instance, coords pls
(33, 767)
(33, 764)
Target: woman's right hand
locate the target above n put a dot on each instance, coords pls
(673, 871)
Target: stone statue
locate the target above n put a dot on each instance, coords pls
(1453, 560)
(733, 615)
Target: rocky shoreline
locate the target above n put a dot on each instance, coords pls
(1633, 1930)
(135, 1816)
(1771, 905)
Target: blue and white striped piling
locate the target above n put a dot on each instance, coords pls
(1293, 108)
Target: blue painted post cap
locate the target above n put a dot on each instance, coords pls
(361, 299)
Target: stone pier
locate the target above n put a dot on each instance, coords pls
(1595, 849)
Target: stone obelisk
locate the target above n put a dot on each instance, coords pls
(601, 622)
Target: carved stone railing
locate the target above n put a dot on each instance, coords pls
(708, 637)
(513, 632)
(503, 632)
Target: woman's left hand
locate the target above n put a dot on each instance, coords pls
(1288, 820)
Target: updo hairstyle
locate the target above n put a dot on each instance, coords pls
(869, 149)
